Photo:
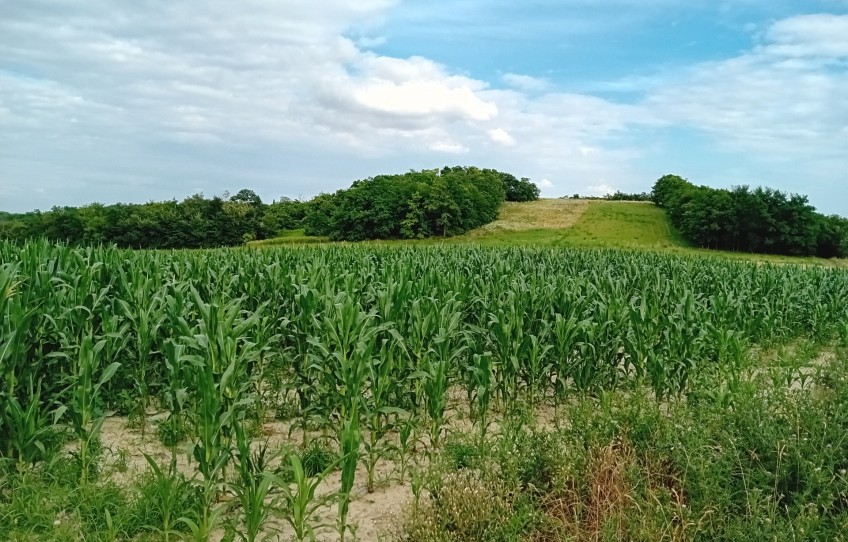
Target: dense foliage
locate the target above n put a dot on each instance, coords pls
(519, 189)
(415, 205)
(368, 345)
(760, 220)
(624, 196)
(196, 222)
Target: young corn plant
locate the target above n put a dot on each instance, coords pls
(174, 396)
(84, 411)
(28, 429)
(408, 429)
(383, 391)
(509, 342)
(253, 485)
(351, 440)
(170, 494)
(342, 356)
(217, 376)
(537, 368)
(145, 315)
(566, 331)
(298, 502)
(25, 424)
(482, 385)
(305, 323)
(447, 351)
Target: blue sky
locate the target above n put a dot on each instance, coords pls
(137, 101)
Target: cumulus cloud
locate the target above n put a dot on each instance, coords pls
(526, 82)
(820, 35)
(449, 147)
(501, 137)
(600, 190)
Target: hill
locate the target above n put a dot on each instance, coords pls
(579, 223)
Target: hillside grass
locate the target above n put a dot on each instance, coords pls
(575, 223)
(289, 237)
(585, 223)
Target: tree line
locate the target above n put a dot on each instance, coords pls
(417, 204)
(750, 220)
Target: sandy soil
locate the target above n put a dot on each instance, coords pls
(370, 515)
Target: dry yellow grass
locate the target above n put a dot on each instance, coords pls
(540, 214)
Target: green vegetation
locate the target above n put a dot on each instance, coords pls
(623, 225)
(524, 393)
(579, 223)
(745, 458)
(741, 219)
(289, 237)
(416, 205)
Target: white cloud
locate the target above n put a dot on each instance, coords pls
(544, 184)
(769, 101)
(526, 82)
(820, 35)
(421, 98)
(501, 137)
(599, 190)
(449, 147)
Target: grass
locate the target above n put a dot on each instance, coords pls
(767, 462)
(574, 223)
(611, 224)
(289, 237)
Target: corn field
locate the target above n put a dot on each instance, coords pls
(364, 342)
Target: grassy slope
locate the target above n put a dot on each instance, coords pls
(600, 223)
(576, 223)
(594, 224)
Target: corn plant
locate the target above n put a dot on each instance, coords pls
(174, 394)
(24, 423)
(378, 407)
(537, 367)
(28, 428)
(144, 317)
(304, 323)
(408, 435)
(481, 383)
(171, 498)
(342, 356)
(447, 351)
(84, 410)
(217, 376)
(253, 485)
(351, 439)
(299, 504)
(565, 334)
(509, 341)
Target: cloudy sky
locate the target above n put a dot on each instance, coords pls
(104, 100)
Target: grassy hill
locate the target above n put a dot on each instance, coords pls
(579, 223)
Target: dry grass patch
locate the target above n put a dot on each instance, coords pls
(540, 214)
(599, 510)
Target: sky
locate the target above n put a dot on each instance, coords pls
(105, 101)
